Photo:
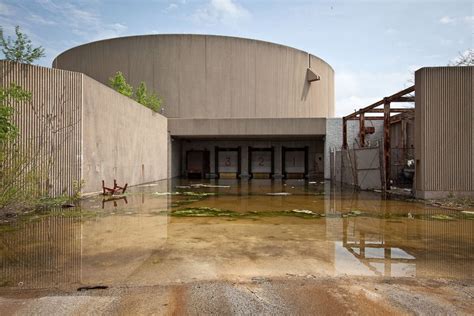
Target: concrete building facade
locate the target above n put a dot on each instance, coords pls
(235, 107)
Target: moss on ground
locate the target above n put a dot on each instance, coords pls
(216, 212)
(198, 194)
(203, 212)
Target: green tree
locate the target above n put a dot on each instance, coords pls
(153, 102)
(150, 100)
(13, 93)
(20, 50)
(141, 93)
(119, 84)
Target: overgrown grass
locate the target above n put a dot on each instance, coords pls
(19, 179)
(454, 202)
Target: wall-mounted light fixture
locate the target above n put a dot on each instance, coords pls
(312, 76)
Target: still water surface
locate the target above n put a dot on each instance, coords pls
(175, 231)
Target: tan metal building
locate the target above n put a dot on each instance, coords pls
(444, 132)
(235, 107)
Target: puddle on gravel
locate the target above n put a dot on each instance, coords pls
(177, 231)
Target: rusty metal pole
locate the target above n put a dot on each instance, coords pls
(404, 139)
(386, 142)
(344, 133)
(362, 129)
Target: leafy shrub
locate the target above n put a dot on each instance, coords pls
(149, 99)
(119, 84)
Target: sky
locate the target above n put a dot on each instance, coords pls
(373, 46)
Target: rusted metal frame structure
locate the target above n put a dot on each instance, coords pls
(359, 115)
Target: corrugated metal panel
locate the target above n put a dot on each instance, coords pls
(445, 122)
(50, 124)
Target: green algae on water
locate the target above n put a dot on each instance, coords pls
(198, 194)
(216, 212)
(442, 217)
(203, 212)
(352, 213)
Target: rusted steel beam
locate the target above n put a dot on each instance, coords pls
(367, 118)
(396, 119)
(362, 130)
(403, 137)
(395, 96)
(386, 142)
(400, 94)
(344, 133)
(364, 109)
(404, 99)
(395, 110)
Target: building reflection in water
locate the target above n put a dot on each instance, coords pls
(58, 251)
(375, 252)
(398, 239)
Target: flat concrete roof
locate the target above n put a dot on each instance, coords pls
(245, 127)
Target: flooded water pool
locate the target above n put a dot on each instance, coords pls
(177, 232)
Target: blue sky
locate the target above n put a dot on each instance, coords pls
(374, 46)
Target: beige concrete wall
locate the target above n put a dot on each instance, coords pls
(49, 125)
(202, 76)
(247, 127)
(444, 135)
(122, 139)
(77, 128)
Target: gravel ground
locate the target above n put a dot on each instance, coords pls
(308, 295)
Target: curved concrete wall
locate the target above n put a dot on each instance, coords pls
(202, 76)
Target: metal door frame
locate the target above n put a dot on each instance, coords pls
(216, 159)
(251, 150)
(284, 149)
(204, 169)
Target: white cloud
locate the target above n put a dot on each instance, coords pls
(220, 11)
(469, 19)
(446, 20)
(172, 6)
(40, 20)
(84, 22)
(228, 7)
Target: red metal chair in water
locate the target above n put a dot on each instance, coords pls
(115, 190)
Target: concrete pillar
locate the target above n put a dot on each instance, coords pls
(244, 149)
(212, 162)
(278, 162)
